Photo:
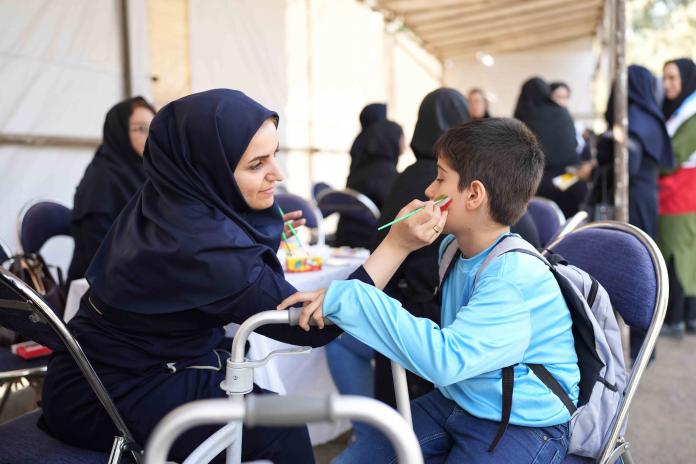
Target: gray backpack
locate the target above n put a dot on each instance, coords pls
(597, 344)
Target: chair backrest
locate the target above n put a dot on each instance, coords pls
(289, 202)
(39, 221)
(23, 310)
(318, 188)
(570, 225)
(629, 265)
(547, 216)
(348, 203)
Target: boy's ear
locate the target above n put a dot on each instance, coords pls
(477, 195)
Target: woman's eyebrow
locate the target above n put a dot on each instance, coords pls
(258, 158)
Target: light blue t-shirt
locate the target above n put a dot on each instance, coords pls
(515, 315)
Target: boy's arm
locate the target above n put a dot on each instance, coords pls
(491, 332)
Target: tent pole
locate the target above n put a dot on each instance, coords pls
(620, 128)
(125, 50)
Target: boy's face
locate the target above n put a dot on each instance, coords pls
(447, 183)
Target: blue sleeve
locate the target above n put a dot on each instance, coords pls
(491, 332)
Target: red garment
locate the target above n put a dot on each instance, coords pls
(678, 192)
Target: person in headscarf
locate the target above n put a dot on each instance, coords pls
(372, 113)
(560, 94)
(555, 130)
(677, 220)
(372, 174)
(478, 104)
(110, 180)
(649, 150)
(415, 281)
(194, 250)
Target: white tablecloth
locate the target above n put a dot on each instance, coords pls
(302, 374)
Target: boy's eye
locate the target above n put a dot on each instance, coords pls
(439, 180)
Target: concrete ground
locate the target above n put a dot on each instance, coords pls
(662, 424)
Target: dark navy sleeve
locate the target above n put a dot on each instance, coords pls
(361, 275)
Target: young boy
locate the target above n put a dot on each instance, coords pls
(514, 316)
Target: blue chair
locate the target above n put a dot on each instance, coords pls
(548, 218)
(24, 311)
(629, 265)
(318, 188)
(349, 203)
(40, 221)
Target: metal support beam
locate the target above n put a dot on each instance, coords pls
(620, 128)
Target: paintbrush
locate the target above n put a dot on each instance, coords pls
(442, 200)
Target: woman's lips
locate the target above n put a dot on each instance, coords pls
(268, 191)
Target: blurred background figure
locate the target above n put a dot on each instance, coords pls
(111, 179)
(677, 222)
(554, 127)
(478, 104)
(649, 150)
(372, 173)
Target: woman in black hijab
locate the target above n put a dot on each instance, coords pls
(111, 179)
(555, 130)
(372, 113)
(415, 281)
(194, 250)
(372, 174)
(649, 151)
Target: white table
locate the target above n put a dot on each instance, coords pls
(303, 374)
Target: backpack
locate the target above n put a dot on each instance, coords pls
(597, 344)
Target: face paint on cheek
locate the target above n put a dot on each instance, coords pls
(446, 205)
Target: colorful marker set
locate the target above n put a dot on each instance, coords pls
(443, 201)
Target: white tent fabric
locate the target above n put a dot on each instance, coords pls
(315, 62)
(60, 68)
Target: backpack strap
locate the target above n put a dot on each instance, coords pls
(553, 385)
(505, 245)
(447, 263)
(508, 388)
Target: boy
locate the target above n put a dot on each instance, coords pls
(514, 316)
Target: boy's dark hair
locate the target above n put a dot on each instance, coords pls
(503, 155)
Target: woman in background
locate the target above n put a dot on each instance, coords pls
(111, 179)
(478, 104)
(677, 221)
(554, 128)
(371, 174)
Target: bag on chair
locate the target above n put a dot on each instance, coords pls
(597, 344)
(34, 271)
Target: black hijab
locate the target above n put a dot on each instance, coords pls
(440, 110)
(550, 122)
(645, 121)
(369, 115)
(189, 238)
(687, 72)
(116, 171)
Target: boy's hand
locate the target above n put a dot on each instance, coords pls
(312, 307)
(419, 230)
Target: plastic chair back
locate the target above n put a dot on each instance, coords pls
(40, 221)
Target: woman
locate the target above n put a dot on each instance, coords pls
(478, 104)
(372, 174)
(677, 221)
(372, 113)
(415, 281)
(555, 130)
(111, 179)
(649, 150)
(194, 250)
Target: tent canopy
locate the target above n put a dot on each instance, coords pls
(453, 28)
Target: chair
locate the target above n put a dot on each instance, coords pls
(547, 216)
(628, 264)
(318, 188)
(13, 369)
(570, 225)
(39, 221)
(24, 311)
(349, 203)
